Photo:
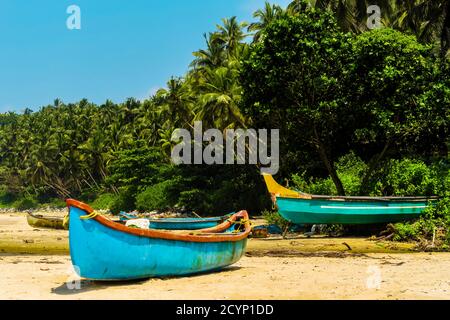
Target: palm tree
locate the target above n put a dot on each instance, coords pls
(40, 165)
(265, 16)
(429, 20)
(230, 35)
(351, 15)
(96, 151)
(211, 57)
(176, 101)
(165, 140)
(219, 98)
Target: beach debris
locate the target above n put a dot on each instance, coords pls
(382, 238)
(347, 245)
(260, 232)
(44, 269)
(393, 263)
(28, 240)
(50, 262)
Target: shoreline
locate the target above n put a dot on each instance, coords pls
(17, 237)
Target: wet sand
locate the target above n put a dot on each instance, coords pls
(34, 265)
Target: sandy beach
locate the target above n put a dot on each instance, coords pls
(34, 264)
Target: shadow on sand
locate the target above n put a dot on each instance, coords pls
(83, 285)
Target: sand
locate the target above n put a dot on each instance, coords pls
(301, 268)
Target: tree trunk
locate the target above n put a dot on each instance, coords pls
(372, 166)
(329, 165)
(445, 33)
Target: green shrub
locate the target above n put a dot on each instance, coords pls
(441, 170)
(125, 201)
(432, 229)
(154, 197)
(104, 201)
(312, 185)
(441, 210)
(6, 197)
(406, 231)
(350, 169)
(25, 203)
(196, 200)
(409, 177)
(53, 203)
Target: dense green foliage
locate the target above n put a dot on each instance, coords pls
(360, 113)
(428, 20)
(397, 177)
(337, 95)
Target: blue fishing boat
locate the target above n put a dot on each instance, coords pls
(302, 208)
(102, 249)
(178, 223)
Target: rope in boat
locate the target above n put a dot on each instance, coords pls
(66, 221)
(240, 222)
(92, 215)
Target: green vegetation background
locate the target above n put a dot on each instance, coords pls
(360, 112)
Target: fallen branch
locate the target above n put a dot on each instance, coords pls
(346, 244)
(285, 231)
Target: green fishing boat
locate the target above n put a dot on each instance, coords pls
(302, 208)
(48, 222)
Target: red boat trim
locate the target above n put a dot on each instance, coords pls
(204, 235)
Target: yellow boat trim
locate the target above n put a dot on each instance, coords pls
(279, 191)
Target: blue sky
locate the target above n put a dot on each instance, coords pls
(124, 48)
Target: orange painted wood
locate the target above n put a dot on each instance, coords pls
(205, 235)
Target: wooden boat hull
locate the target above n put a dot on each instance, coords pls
(303, 208)
(39, 221)
(184, 223)
(303, 211)
(101, 252)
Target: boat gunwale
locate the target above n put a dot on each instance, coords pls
(178, 220)
(203, 235)
(278, 191)
(188, 220)
(360, 198)
(43, 217)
